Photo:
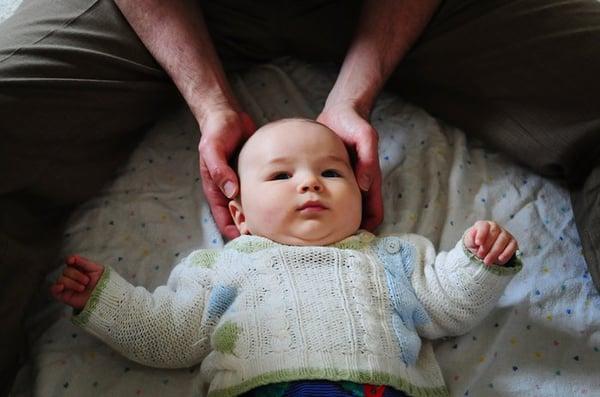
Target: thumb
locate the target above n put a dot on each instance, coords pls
(220, 172)
(367, 165)
(470, 238)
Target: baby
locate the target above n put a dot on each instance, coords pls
(303, 302)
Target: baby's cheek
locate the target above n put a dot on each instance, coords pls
(272, 214)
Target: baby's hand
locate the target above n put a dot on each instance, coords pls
(490, 242)
(77, 281)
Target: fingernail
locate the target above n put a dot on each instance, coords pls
(365, 182)
(229, 188)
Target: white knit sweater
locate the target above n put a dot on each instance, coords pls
(258, 312)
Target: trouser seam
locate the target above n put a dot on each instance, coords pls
(52, 31)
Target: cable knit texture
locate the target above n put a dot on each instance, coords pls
(257, 312)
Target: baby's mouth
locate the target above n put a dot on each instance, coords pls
(312, 206)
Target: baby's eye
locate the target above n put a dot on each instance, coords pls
(280, 175)
(330, 174)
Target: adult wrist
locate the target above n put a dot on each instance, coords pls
(204, 109)
(361, 106)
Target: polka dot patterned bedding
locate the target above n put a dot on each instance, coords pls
(543, 338)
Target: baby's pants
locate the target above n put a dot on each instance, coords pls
(323, 388)
(78, 88)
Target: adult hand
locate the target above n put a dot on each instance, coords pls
(356, 132)
(222, 131)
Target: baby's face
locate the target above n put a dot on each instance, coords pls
(297, 186)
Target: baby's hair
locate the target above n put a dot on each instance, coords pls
(233, 161)
(288, 119)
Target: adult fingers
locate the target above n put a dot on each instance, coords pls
(221, 135)
(248, 124)
(215, 170)
(356, 132)
(373, 206)
(218, 203)
(367, 165)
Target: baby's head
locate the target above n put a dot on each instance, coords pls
(297, 185)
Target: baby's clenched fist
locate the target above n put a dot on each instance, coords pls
(490, 243)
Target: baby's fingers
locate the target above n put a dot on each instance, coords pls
(483, 228)
(497, 248)
(76, 275)
(71, 284)
(469, 239)
(508, 252)
(83, 264)
(492, 234)
(56, 289)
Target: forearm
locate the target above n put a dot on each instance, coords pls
(160, 329)
(386, 32)
(175, 34)
(458, 290)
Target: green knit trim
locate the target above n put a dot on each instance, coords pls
(251, 244)
(204, 258)
(225, 337)
(513, 266)
(359, 242)
(81, 319)
(361, 377)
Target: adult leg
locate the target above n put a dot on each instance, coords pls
(246, 33)
(522, 76)
(76, 90)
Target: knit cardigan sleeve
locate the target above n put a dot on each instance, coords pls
(168, 328)
(456, 288)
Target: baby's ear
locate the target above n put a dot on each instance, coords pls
(237, 213)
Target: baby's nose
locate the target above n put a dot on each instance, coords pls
(316, 187)
(311, 184)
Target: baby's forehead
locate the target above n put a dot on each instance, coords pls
(278, 132)
(284, 126)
